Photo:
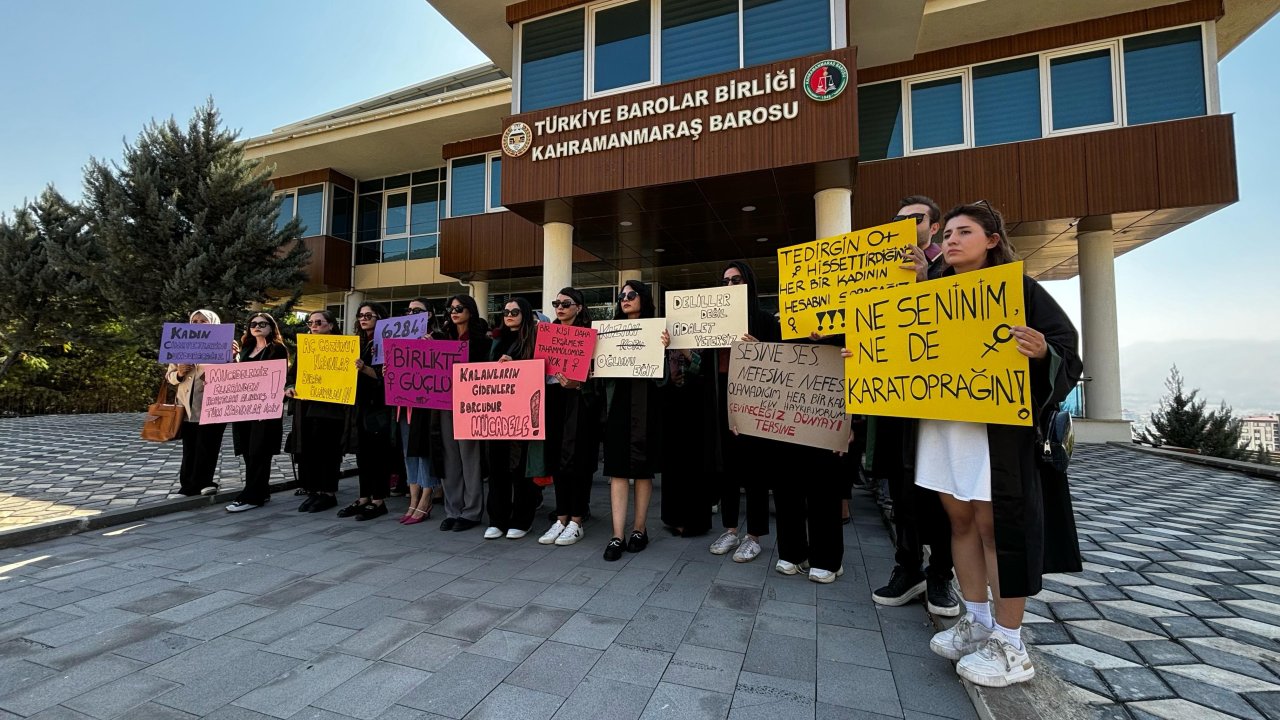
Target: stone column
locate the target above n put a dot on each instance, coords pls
(1100, 332)
(557, 261)
(833, 210)
(349, 308)
(479, 289)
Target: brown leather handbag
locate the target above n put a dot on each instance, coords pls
(164, 417)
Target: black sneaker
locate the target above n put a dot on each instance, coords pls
(322, 501)
(308, 504)
(613, 551)
(350, 510)
(447, 524)
(301, 491)
(638, 541)
(463, 524)
(940, 599)
(371, 511)
(903, 587)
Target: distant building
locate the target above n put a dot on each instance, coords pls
(1260, 433)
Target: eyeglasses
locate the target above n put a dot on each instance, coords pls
(260, 325)
(985, 204)
(456, 309)
(918, 217)
(317, 323)
(512, 312)
(566, 304)
(628, 296)
(733, 280)
(367, 316)
(414, 311)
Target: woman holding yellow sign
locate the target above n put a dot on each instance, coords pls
(1010, 513)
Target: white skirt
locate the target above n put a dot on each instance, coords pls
(953, 458)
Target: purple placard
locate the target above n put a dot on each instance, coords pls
(419, 373)
(196, 343)
(409, 327)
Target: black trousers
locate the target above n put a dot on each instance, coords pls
(687, 500)
(320, 462)
(573, 493)
(200, 447)
(919, 519)
(746, 471)
(808, 511)
(374, 458)
(513, 498)
(257, 479)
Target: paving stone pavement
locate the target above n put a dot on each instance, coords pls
(1177, 612)
(273, 614)
(60, 466)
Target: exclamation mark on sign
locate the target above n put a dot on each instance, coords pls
(535, 401)
(275, 383)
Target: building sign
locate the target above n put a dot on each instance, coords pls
(517, 139)
(815, 278)
(788, 392)
(941, 350)
(826, 80)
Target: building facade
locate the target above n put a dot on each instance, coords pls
(1260, 432)
(659, 139)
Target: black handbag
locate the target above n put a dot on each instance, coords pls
(1058, 440)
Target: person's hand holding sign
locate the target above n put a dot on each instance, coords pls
(919, 263)
(566, 383)
(1030, 342)
(666, 338)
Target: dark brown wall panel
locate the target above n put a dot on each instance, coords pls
(1121, 167)
(1197, 161)
(533, 8)
(1156, 18)
(474, 146)
(486, 241)
(521, 242)
(312, 177)
(455, 245)
(1055, 186)
(993, 174)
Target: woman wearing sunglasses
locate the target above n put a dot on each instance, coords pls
(373, 424)
(416, 446)
(512, 495)
(633, 435)
(990, 481)
(258, 441)
(200, 443)
(463, 469)
(572, 447)
(319, 435)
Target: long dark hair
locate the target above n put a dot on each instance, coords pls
(992, 223)
(647, 309)
(329, 317)
(378, 309)
(583, 318)
(519, 343)
(477, 326)
(248, 342)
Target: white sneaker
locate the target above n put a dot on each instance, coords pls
(552, 534)
(493, 533)
(238, 506)
(209, 490)
(996, 664)
(747, 551)
(572, 534)
(819, 575)
(787, 568)
(726, 542)
(961, 639)
(516, 534)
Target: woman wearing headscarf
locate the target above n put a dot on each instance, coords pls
(201, 444)
(258, 441)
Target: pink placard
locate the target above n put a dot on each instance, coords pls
(243, 391)
(566, 348)
(499, 401)
(419, 373)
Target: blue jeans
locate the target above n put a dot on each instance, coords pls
(418, 469)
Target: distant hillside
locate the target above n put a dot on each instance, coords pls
(1244, 373)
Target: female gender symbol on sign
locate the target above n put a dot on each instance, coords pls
(997, 338)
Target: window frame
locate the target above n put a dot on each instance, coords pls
(489, 207)
(838, 38)
(325, 195)
(1118, 115)
(966, 112)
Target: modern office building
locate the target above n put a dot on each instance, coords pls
(1260, 432)
(660, 138)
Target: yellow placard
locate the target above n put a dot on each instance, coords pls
(940, 350)
(815, 278)
(327, 368)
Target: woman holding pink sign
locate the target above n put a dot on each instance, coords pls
(513, 497)
(258, 441)
(463, 465)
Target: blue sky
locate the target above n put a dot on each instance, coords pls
(83, 76)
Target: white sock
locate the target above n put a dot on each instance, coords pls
(1014, 636)
(981, 613)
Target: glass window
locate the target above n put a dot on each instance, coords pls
(423, 246)
(1006, 101)
(425, 214)
(699, 37)
(342, 213)
(622, 46)
(397, 222)
(467, 178)
(495, 182)
(1164, 76)
(551, 61)
(779, 29)
(286, 210)
(1081, 90)
(880, 121)
(311, 210)
(395, 250)
(426, 176)
(369, 220)
(397, 181)
(368, 253)
(937, 113)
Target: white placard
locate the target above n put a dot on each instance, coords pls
(629, 348)
(707, 318)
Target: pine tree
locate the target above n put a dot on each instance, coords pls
(186, 221)
(1222, 434)
(44, 300)
(1180, 421)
